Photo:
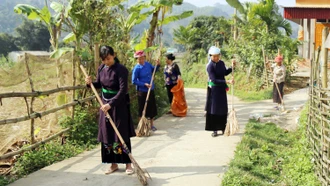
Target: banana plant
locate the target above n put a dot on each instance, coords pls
(53, 23)
(161, 7)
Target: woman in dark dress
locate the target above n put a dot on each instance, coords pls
(112, 80)
(141, 77)
(172, 74)
(216, 103)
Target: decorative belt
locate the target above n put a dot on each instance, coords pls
(109, 91)
(210, 83)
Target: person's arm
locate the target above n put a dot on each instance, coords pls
(153, 67)
(211, 73)
(122, 79)
(135, 77)
(177, 69)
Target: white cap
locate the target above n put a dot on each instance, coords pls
(214, 50)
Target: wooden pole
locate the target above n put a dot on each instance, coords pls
(73, 81)
(32, 99)
(265, 66)
(235, 25)
(96, 56)
(325, 33)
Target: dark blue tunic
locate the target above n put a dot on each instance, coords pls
(216, 104)
(114, 78)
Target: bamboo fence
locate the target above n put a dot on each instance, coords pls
(318, 127)
(32, 81)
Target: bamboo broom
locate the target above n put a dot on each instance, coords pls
(141, 174)
(144, 126)
(232, 125)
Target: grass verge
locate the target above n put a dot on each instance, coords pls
(269, 155)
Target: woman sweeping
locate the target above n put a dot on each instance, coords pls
(279, 73)
(112, 78)
(141, 77)
(216, 103)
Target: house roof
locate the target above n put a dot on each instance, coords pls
(307, 12)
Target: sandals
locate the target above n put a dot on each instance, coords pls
(129, 171)
(110, 171)
(153, 128)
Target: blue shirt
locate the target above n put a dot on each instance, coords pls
(142, 74)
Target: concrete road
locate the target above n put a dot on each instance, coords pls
(179, 153)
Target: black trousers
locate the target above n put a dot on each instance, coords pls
(169, 93)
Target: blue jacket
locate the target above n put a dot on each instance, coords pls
(142, 74)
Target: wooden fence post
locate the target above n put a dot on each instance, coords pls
(324, 70)
(32, 98)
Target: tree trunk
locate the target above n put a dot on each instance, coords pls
(151, 32)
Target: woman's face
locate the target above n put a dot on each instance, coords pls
(168, 61)
(109, 60)
(279, 63)
(141, 60)
(215, 58)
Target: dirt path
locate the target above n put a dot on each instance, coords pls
(181, 152)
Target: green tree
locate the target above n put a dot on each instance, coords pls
(7, 44)
(185, 36)
(33, 36)
(211, 30)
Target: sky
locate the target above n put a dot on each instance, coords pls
(212, 2)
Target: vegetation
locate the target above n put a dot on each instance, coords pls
(81, 137)
(269, 155)
(262, 32)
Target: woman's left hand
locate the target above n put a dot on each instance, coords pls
(158, 62)
(233, 62)
(105, 108)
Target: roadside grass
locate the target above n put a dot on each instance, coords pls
(269, 155)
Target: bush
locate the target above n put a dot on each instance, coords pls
(43, 156)
(84, 127)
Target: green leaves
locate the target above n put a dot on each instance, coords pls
(173, 18)
(60, 52)
(70, 38)
(236, 4)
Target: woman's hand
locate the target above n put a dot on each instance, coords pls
(147, 85)
(88, 80)
(105, 108)
(233, 63)
(158, 62)
(231, 81)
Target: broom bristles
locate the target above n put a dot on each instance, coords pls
(142, 175)
(143, 128)
(232, 126)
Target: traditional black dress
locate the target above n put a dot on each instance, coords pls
(216, 103)
(113, 82)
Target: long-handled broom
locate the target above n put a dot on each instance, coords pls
(280, 95)
(232, 125)
(141, 174)
(144, 126)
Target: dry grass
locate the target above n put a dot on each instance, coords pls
(16, 80)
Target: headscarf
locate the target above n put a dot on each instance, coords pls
(278, 58)
(139, 53)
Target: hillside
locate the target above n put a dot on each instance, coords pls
(9, 20)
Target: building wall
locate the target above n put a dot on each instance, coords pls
(313, 3)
